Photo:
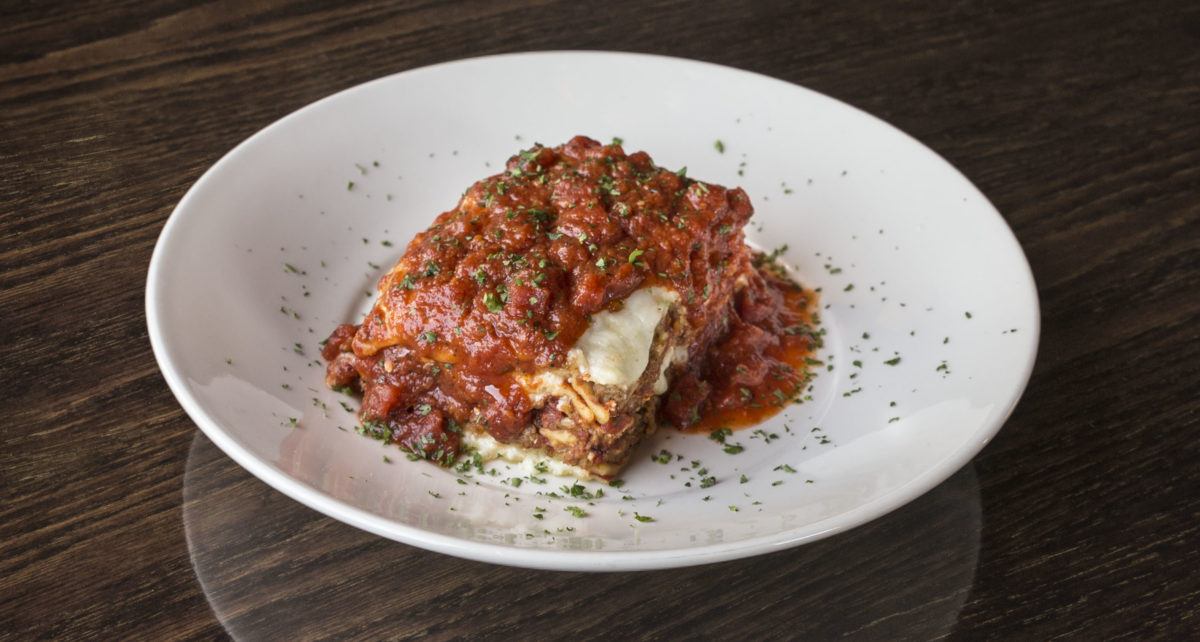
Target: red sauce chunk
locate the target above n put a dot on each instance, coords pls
(759, 364)
(502, 286)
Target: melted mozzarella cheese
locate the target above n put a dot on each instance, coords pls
(615, 349)
(679, 355)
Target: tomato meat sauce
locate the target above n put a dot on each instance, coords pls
(761, 363)
(504, 284)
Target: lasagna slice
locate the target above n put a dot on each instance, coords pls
(550, 311)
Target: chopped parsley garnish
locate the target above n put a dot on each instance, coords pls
(579, 491)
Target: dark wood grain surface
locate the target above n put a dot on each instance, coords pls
(1081, 520)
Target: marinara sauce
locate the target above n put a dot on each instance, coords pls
(507, 281)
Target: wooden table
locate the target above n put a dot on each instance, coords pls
(1079, 120)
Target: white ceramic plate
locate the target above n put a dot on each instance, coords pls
(286, 236)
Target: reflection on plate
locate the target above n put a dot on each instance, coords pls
(929, 307)
(266, 563)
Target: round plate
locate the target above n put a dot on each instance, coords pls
(928, 304)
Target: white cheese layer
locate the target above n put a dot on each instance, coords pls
(533, 461)
(615, 349)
